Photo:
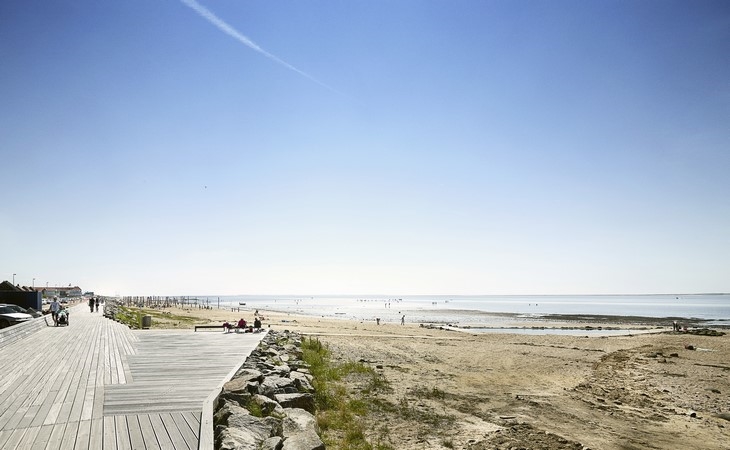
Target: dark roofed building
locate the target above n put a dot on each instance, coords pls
(25, 296)
(8, 286)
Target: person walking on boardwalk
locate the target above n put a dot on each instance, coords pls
(96, 303)
(55, 306)
(91, 304)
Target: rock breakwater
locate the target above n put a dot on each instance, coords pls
(269, 403)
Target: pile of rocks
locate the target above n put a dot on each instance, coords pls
(269, 403)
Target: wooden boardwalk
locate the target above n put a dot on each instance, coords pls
(98, 385)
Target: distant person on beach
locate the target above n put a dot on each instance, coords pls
(55, 307)
(403, 320)
(377, 320)
(91, 304)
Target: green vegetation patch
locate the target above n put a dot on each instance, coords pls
(340, 413)
(131, 317)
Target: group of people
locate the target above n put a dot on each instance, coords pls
(244, 326)
(60, 314)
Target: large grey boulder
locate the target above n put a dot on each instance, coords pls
(281, 369)
(236, 439)
(237, 429)
(300, 400)
(248, 382)
(226, 410)
(307, 440)
(239, 398)
(272, 443)
(302, 381)
(294, 350)
(297, 421)
(275, 385)
(248, 374)
(267, 405)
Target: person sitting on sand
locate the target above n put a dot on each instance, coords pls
(227, 326)
(257, 324)
(242, 323)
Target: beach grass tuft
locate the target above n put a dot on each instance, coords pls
(433, 393)
(340, 413)
(132, 317)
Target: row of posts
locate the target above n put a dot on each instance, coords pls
(165, 301)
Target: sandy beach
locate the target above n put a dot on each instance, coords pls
(662, 390)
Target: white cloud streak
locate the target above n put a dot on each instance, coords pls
(235, 34)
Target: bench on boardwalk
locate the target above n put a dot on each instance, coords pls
(247, 329)
(208, 327)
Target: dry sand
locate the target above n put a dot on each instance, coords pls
(511, 391)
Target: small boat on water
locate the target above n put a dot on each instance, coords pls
(242, 303)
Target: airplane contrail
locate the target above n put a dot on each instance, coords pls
(235, 34)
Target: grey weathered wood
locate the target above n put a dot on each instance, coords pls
(148, 433)
(122, 432)
(68, 441)
(28, 438)
(41, 439)
(190, 435)
(83, 436)
(54, 441)
(178, 440)
(96, 384)
(96, 438)
(136, 439)
(15, 438)
(110, 434)
(161, 432)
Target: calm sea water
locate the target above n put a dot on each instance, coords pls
(485, 309)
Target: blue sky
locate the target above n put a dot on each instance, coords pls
(440, 147)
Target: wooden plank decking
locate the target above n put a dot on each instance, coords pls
(98, 385)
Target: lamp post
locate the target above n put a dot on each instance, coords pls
(14, 278)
